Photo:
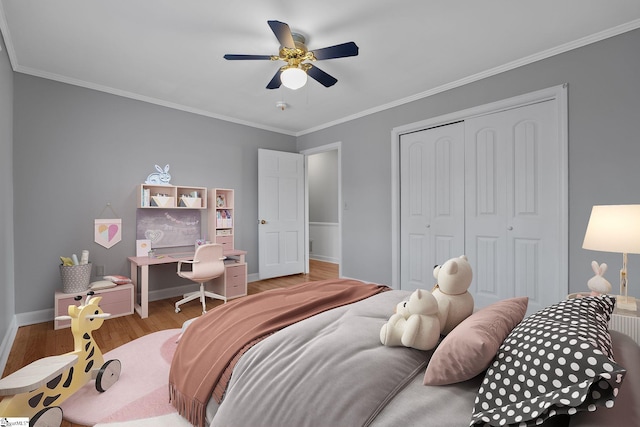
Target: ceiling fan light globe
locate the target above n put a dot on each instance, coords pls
(293, 78)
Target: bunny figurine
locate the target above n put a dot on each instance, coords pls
(162, 177)
(598, 284)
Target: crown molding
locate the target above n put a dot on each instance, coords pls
(611, 32)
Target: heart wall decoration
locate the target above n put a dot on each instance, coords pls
(107, 232)
(154, 236)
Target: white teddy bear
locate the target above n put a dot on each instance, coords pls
(451, 290)
(415, 323)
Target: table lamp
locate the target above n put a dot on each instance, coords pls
(616, 228)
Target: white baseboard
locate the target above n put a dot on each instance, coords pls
(33, 317)
(324, 258)
(7, 343)
(172, 292)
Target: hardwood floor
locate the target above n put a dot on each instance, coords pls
(40, 340)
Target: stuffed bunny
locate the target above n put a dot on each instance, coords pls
(598, 284)
(161, 177)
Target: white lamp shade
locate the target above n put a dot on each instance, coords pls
(614, 228)
(293, 78)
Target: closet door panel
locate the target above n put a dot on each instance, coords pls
(526, 268)
(525, 171)
(431, 202)
(416, 240)
(486, 251)
(527, 221)
(535, 218)
(485, 230)
(485, 185)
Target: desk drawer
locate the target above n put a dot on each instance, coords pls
(226, 242)
(117, 308)
(115, 295)
(236, 280)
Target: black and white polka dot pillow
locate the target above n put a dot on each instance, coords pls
(556, 361)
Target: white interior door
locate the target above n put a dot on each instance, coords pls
(280, 213)
(431, 202)
(513, 210)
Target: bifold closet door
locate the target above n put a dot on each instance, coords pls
(431, 202)
(512, 215)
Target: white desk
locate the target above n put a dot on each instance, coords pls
(142, 263)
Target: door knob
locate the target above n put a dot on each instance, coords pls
(509, 228)
(262, 221)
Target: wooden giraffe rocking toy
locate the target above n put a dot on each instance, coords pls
(37, 390)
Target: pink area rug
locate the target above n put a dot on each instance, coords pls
(140, 392)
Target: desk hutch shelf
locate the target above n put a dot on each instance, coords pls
(151, 196)
(221, 217)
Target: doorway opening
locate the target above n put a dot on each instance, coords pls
(323, 200)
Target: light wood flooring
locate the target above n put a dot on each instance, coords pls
(40, 340)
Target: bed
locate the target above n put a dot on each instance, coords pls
(558, 367)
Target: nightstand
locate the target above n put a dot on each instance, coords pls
(627, 322)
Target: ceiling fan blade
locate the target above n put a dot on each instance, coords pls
(233, 57)
(283, 33)
(275, 81)
(337, 51)
(325, 79)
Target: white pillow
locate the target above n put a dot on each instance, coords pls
(101, 284)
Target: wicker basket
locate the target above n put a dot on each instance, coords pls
(75, 278)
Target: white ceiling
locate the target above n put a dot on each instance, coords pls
(171, 52)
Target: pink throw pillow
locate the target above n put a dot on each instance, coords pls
(469, 349)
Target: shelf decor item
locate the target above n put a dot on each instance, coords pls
(162, 201)
(75, 278)
(143, 247)
(616, 228)
(190, 202)
(161, 177)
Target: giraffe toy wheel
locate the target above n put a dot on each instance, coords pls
(47, 417)
(108, 375)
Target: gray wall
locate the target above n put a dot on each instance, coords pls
(604, 151)
(76, 149)
(7, 305)
(323, 186)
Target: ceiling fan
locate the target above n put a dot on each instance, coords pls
(294, 52)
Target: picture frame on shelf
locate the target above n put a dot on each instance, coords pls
(220, 200)
(143, 246)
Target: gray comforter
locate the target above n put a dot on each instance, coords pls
(331, 370)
